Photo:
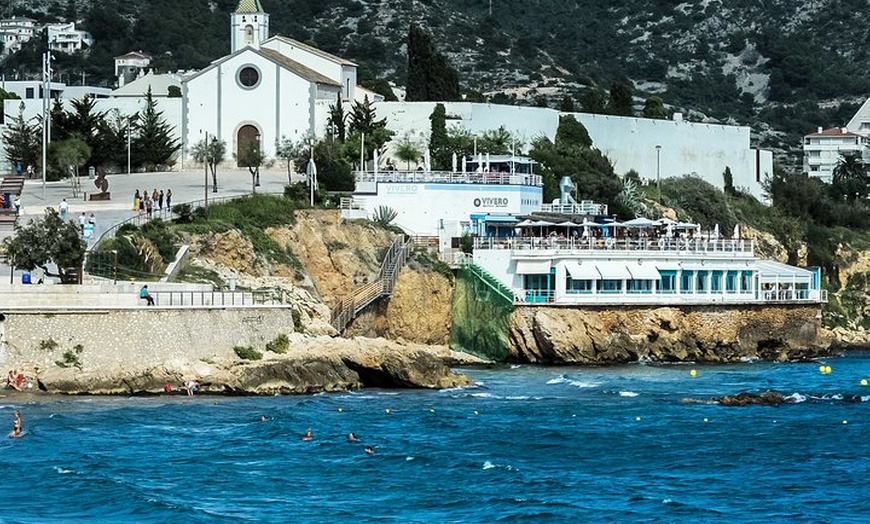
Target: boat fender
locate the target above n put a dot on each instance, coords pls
(661, 243)
(609, 243)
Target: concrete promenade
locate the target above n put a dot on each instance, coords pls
(187, 186)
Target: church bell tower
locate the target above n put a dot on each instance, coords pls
(249, 25)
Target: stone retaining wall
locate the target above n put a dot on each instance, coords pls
(138, 337)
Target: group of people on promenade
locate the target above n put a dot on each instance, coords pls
(307, 437)
(145, 203)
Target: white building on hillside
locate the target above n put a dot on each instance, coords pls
(130, 66)
(824, 149)
(66, 38)
(653, 148)
(266, 90)
(16, 31)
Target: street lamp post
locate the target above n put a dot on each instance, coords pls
(46, 114)
(659, 170)
(115, 267)
(128, 145)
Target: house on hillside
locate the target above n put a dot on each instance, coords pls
(824, 149)
(67, 39)
(16, 31)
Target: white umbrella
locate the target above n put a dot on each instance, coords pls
(311, 171)
(640, 222)
(487, 163)
(716, 231)
(464, 164)
(427, 161)
(736, 231)
(454, 162)
(670, 231)
(375, 162)
(479, 163)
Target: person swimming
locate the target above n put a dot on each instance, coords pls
(307, 435)
(264, 418)
(16, 425)
(369, 450)
(352, 437)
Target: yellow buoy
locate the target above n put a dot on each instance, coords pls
(822, 369)
(863, 381)
(827, 370)
(693, 373)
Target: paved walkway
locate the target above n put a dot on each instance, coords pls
(187, 186)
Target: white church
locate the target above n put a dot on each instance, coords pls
(266, 90)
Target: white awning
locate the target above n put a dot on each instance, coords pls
(533, 267)
(771, 269)
(582, 270)
(613, 271)
(644, 271)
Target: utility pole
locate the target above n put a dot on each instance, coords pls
(659, 170)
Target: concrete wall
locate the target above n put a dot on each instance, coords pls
(136, 337)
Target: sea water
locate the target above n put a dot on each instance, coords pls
(526, 444)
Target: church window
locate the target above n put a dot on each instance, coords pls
(249, 34)
(249, 76)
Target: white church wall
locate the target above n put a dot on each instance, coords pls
(220, 105)
(322, 65)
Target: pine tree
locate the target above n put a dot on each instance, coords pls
(439, 143)
(336, 120)
(430, 74)
(23, 140)
(621, 102)
(153, 145)
(567, 105)
(654, 108)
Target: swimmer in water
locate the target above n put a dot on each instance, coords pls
(264, 418)
(307, 435)
(16, 425)
(352, 437)
(370, 450)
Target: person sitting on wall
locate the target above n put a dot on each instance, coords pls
(145, 295)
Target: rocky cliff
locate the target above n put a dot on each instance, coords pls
(599, 335)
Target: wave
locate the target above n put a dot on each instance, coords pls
(561, 379)
(491, 465)
(628, 394)
(796, 398)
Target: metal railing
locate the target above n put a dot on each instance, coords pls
(691, 245)
(584, 207)
(449, 177)
(216, 298)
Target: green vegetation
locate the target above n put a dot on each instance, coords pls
(45, 240)
(200, 275)
(71, 358)
(384, 215)
(280, 344)
(48, 345)
(298, 326)
(247, 353)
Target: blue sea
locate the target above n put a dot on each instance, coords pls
(527, 444)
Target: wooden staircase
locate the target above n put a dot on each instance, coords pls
(349, 307)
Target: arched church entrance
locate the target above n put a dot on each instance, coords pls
(247, 137)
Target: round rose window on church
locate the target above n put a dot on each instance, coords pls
(249, 76)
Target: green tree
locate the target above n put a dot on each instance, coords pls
(66, 157)
(593, 101)
(153, 144)
(335, 122)
(497, 141)
(23, 140)
(430, 74)
(571, 133)
(408, 152)
(334, 172)
(109, 149)
(362, 119)
(44, 241)
(252, 157)
(621, 102)
(210, 153)
(567, 105)
(655, 108)
(439, 142)
(850, 179)
(288, 150)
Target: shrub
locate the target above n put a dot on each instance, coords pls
(280, 345)
(247, 353)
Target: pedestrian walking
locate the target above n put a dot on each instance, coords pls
(169, 199)
(82, 221)
(149, 207)
(160, 197)
(63, 209)
(136, 201)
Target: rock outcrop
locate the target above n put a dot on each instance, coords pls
(609, 335)
(325, 364)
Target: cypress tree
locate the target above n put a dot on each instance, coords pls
(621, 102)
(439, 143)
(430, 74)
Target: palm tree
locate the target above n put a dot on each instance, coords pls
(407, 151)
(850, 180)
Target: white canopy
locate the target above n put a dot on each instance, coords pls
(533, 267)
(582, 270)
(640, 222)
